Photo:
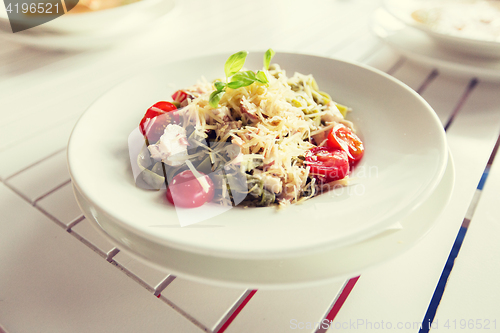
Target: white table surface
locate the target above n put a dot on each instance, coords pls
(57, 274)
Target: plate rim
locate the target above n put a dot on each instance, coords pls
(432, 220)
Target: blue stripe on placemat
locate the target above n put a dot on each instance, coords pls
(483, 178)
(438, 293)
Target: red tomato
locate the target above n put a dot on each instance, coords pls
(343, 138)
(186, 191)
(327, 164)
(155, 120)
(179, 96)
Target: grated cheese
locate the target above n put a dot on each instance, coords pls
(274, 122)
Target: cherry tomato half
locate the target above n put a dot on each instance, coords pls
(342, 137)
(179, 96)
(155, 120)
(327, 164)
(186, 191)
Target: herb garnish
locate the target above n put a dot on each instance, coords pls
(239, 79)
(267, 58)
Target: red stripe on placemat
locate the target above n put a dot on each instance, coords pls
(341, 299)
(236, 312)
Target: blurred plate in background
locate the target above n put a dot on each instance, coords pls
(90, 29)
(418, 46)
(468, 27)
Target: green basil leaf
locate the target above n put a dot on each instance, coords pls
(235, 63)
(219, 85)
(238, 84)
(261, 77)
(267, 58)
(247, 76)
(215, 98)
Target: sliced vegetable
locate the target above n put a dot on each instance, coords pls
(257, 195)
(151, 176)
(187, 191)
(327, 164)
(156, 119)
(342, 108)
(342, 137)
(179, 96)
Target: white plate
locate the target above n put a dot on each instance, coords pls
(91, 30)
(420, 47)
(405, 158)
(282, 273)
(403, 9)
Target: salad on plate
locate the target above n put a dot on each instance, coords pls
(254, 139)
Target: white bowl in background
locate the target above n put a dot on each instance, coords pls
(92, 29)
(464, 44)
(420, 47)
